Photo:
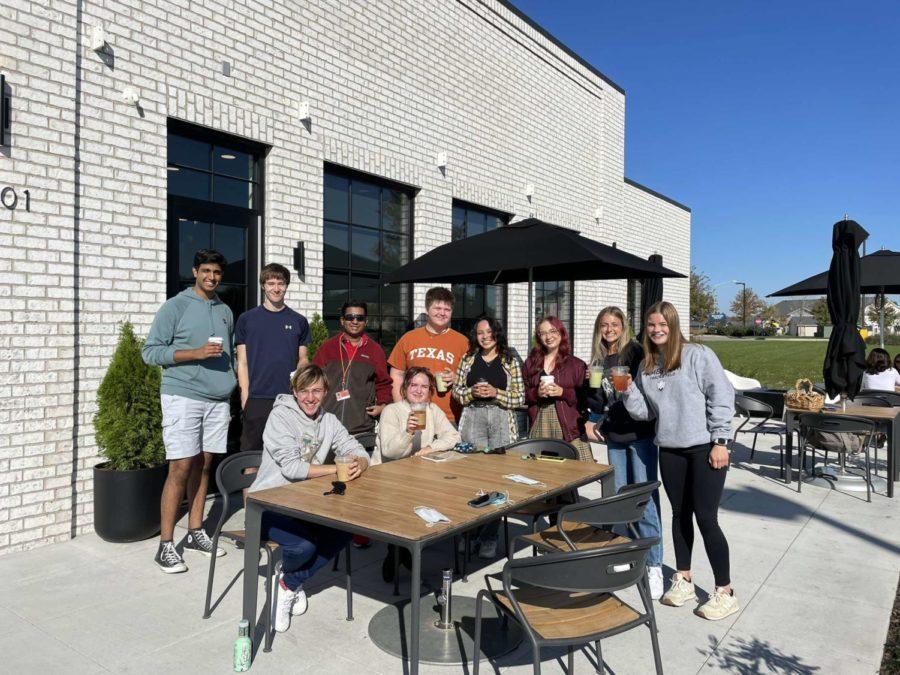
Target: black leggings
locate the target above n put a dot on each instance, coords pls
(694, 488)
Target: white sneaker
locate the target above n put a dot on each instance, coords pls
(301, 603)
(720, 605)
(655, 577)
(679, 592)
(284, 603)
(487, 548)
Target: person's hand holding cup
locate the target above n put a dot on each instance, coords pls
(621, 378)
(211, 350)
(416, 421)
(444, 380)
(547, 386)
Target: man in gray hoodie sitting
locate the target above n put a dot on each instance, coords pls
(191, 338)
(299, 442)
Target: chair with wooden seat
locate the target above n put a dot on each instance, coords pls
(581, 526)
(231, 480)
(534, 512)
(568, 599)
(747, 408)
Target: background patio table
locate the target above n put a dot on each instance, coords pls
(886, 419)
(380, 505)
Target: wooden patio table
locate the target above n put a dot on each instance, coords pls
(887, 419)
(380, 505)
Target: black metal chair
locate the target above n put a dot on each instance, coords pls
(832, 424)
(535, 512)
(751, 409)
(892, 397)
(568, 599)
(582, 526)
(869, 398)
(231, 480)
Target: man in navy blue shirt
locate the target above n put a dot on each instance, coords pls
(270, 343)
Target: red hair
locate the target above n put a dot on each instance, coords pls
(535, 360)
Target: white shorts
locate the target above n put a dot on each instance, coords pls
(191, 426)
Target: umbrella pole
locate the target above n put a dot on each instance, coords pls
(881, 320)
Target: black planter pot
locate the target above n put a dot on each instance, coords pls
(126, 503)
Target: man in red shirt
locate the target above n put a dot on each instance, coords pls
(436, 347)
(358, 382)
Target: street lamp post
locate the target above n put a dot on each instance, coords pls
(743, 301)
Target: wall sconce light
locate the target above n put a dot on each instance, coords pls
(598, 214)
(299, 260)
(130, 96)
(442, 160)
(303, 111)
(529, 190)
(98, 38)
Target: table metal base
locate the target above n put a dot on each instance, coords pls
(847, 481)
(438, 645)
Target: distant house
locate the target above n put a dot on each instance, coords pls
(802, 326)
(788, 309)
(870, 311)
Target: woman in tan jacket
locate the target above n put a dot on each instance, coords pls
(397, 428)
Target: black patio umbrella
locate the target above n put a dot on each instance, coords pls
(529, 250)
(879, 274)
(845, 358)
(651, 292)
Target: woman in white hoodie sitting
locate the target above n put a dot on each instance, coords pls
(298, 440)
(397, 427)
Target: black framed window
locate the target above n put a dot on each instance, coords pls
(554, 298)
(473, 300)
(214, 201)
(367, 232)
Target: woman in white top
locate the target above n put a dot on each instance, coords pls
(397, 432)
(397, 427)
(879, 374)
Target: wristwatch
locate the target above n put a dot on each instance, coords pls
(721, 441)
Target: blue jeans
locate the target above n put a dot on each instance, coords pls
(637, 462)
(305, 547)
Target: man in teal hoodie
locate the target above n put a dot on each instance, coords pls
(191, 338)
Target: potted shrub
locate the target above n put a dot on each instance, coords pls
(127, 426)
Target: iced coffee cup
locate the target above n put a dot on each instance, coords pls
(343, 462)
(620, 377)
(418, 412)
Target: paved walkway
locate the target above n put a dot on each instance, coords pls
(815, 573)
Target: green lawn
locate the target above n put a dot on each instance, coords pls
(775, 363)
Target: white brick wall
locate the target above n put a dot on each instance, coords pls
(390, 85)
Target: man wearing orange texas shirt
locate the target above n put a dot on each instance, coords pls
(436, 347)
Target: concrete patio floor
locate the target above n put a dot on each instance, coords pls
(815, 574)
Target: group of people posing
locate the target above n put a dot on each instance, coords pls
(355, 408)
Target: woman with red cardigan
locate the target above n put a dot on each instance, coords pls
(554, 381)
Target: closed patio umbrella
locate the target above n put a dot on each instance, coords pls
(651, 293)
(845, 358)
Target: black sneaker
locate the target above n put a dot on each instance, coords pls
(197, 540)
(168, 560)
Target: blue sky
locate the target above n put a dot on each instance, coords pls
(771, 120)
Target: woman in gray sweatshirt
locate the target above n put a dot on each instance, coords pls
(683, 387)
(298, 441)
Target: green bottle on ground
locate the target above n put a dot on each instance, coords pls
(243, 648)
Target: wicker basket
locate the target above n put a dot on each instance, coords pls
(802, 397)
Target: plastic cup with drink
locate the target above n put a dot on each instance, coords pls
(596, 379)
(620, 377)
(440, 383)
(547, 380)
(418, 413)
(343, 464)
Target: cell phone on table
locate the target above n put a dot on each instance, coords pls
(550, 456)
(480, 500)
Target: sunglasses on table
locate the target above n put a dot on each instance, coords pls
(355, 317)
(337, 488)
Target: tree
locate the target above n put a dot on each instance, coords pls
(318, 333)
(128, 421)
(890, 314)
(748, 306)
(703, 302)
(769, 314)
(820, 312)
